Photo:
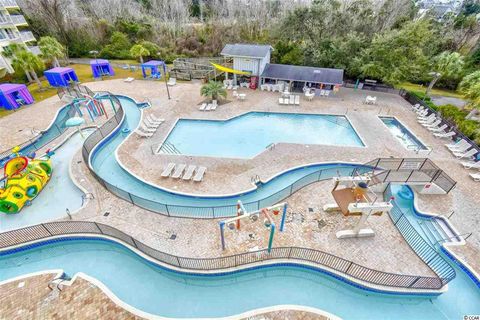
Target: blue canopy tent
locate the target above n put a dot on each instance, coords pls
(14, 95)
(101, 67)
(152, 67)
(60, 77)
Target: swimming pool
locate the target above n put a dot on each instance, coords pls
(403, 135)
(157, 290)
(248, 135)
(59, 194)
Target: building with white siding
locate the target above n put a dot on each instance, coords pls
(250, 58)
(13, 29)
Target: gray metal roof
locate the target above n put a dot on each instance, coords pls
(301, 73)
(246, 50)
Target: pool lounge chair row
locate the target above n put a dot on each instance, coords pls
(293, 99)
(462, 149)
(149, 126)
(176, 171)
(209, 106)
(432, 123)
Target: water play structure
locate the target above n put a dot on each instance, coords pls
(242, 213)
(24, 178)
(140, 286)
(352, 199)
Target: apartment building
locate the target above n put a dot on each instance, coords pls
(13, 29)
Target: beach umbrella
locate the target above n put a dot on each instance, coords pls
(75, 122)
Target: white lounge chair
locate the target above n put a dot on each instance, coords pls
(156, 119)
(471, 164)
(445, 135)
(150, 124)
(152, 120)
(461, 145)
(433, 124)
(189, 172)
(297, 100)
(280, 100)
(416, 106)
(147, 129)
(199, 175)
(171, 82)
(475, 176)
(322, 93)
(438, 129)
(168, 170)
(423, 113)
(327, 93)
(144, 134)
(203, 106)
(208, 107)
(467, 154)
(178, 171)
(429, 119)
(291, 100)
(214, 105)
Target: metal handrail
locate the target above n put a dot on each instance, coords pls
(294, 254)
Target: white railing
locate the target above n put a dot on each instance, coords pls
(8, 3)
(34, 49)
(18, 19)
(27, 36)
(5, 20)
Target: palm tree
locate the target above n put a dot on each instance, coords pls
(10, 52)
(139, 51)
(213, 90)
(447, 64)
(51, 49)
(28, 62)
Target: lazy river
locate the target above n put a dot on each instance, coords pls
(106, 166)
(159, 291)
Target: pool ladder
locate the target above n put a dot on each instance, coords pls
(271, 146)
(256, 179)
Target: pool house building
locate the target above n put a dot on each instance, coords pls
(247, 58)
(298, 77)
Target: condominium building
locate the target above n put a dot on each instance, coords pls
(13, 29)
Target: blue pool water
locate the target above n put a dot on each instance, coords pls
(159, 291)
(58, 195)
(155, 290)
(152, 197)
(402, 134)
(248, 135)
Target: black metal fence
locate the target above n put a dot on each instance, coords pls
(413, 170)
(427, 253)
(378, 87)
(319, 258)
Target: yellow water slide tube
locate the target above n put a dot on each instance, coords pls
(23, 180)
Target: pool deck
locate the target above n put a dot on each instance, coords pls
(387, 251)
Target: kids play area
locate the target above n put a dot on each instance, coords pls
(294, 195)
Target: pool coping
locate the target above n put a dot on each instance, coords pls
(176, 192)
(364, 145)
(58, 273)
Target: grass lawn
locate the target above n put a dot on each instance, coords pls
(440, 92)
(84, 73)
